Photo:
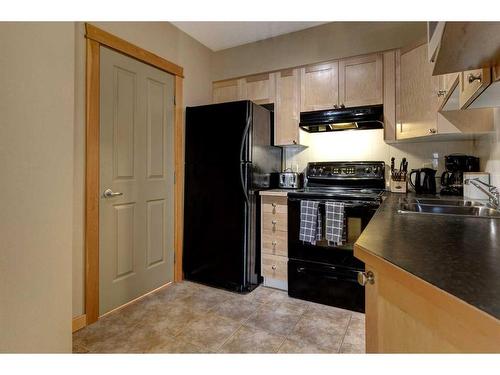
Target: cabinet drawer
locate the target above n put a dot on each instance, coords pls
(274, 205)
(274, 267)
(275, 243)
(274, 222)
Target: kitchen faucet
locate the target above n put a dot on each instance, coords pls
(492, 192)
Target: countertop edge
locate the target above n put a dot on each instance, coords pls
(442, 297)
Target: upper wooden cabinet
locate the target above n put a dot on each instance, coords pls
(360, 81)
(226, 91)
(418, 95)
(391, 93)
(259, 88)
(473, 83)
(319, 86)
(286, 108)
(461, 46)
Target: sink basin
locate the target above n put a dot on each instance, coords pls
(448, 207)
(447, 202)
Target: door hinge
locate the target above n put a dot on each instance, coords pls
(175, 102)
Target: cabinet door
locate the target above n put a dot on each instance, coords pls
(319, 88)
(448, 94)
(286, 114)
(473, 83)
(360, 81)
(418, 96)
(259, 88)
(391, 91)
(226, 91)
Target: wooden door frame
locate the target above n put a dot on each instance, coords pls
(95, 39)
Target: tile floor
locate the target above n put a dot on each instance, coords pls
(193, 318)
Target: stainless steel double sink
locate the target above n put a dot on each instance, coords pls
(450, 207)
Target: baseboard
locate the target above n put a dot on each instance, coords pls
(79, 322)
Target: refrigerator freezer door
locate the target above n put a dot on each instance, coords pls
(215, 208)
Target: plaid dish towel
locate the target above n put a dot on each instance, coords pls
(310, 222)
(335, 223)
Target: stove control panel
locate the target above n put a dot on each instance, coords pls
(346, 169)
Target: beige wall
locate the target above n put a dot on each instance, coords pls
(369, 145)
(165, 40)
(36, 192)
(488, 149)
(320, 43)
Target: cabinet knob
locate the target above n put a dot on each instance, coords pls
(366, 277)
(442, 92)
(432, 131)
(294, 141)
(274, 243)
(274, 222)
(471, 77)
(342, 105)
(273, 204)
(273, 266)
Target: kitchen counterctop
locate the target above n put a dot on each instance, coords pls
(276, 192)
(460, 255)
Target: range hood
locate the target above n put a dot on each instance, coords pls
(356, 118)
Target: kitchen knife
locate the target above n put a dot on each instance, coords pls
(405, 165)
(392, 164)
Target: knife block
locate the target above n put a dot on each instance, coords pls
(399, 185)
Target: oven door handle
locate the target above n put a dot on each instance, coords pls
(325, 274)
(369, 204)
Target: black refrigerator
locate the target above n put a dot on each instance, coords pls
(229, 157)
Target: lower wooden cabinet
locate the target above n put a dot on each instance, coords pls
(274, 241)
(405, 314)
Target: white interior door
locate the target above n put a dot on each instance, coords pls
(136, 234)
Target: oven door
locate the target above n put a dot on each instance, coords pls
(357, 215)
(326, 284)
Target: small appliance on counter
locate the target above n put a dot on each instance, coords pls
(290, 180)
(425, 180)
(452, 177)
(470, 191)
(398, 183)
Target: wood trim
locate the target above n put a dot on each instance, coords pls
(92, 183)
(96, 37)
(257, 78)
(179, 178)
(79, 322)
(109, 40)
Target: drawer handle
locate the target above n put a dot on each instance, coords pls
(442, 92)
(432, 131)
(471, 77)
(274, 243)
(273, 266)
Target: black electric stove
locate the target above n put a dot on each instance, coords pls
(323, 272)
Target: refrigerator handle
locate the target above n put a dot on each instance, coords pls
(243, 162)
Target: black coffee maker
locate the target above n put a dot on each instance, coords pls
(452, 177)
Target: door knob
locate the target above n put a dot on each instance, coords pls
(108, 193)
(366, 277)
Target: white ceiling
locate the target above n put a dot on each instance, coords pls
(222, 35)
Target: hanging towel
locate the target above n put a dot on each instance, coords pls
(335, 223)
(310, 222)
